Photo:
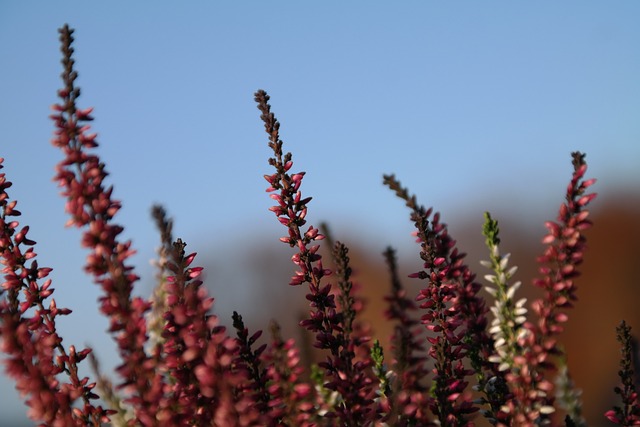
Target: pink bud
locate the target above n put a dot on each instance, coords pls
(284, 220)
(549, 238)
(439, 261)
(586, 199)
(194, 272)
(44, 272)
(189, 258)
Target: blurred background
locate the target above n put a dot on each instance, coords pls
(475, 107)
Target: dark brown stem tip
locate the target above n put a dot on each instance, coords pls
(578, 159)
(66, 31)
(66, 38)
(261, 96)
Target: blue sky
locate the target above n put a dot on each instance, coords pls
(475, 106)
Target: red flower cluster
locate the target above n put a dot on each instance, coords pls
(453, 312)
(533, 391)
(36, 358)
(330, 322)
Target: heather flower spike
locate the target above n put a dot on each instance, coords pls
(508, 313)
(409, 398)
(380, 370)
(533, 400)
(185, 375)
(293, 401)
(250, 360)
(629, 413)
(198, 358)
(453, 311)
(45, 371)
(347, 300)
(82, 175)
(330, 322)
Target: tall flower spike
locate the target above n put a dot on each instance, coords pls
(35, 356)
(383, 374)
(629, 413)
(509, 317)
(533, 392)
(82, 175)
(453, 311)
(343, 374)
(409, 395)
(249, 358)
(565, 248)
(347, 299)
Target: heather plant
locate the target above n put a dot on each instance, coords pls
(461, 351)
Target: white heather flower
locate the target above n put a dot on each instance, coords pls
(509, 315)
(546, 410)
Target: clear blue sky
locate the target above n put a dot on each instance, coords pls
(472, 104)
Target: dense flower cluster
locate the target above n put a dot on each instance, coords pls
(453, 360)
(81, 175)
(533, 400)
(453, 311)
(36, 357)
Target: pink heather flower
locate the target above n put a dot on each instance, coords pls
(453, 311)
(293, 401)
(533, 392)
(81, 175)
(255, 387)
(345, 374)
(35, 356)
(347, 300)
(197, 357)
